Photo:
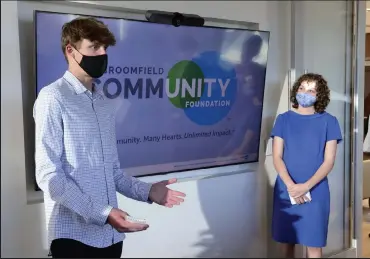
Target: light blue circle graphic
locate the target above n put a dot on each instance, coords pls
(212, 106)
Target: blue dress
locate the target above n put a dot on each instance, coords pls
(304, 138)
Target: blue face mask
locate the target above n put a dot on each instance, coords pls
(305, 100)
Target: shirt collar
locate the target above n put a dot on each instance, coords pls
(78, 86)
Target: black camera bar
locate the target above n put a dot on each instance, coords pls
(176, 19)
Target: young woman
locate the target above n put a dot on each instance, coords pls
(304, 147)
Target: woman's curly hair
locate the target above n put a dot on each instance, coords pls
(322, 91)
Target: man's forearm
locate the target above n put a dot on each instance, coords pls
(247, 138)
(131, 187)
(67, 193)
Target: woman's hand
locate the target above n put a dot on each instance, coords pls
(298, 190)
(301, 200)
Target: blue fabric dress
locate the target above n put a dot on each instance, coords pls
(304, 138)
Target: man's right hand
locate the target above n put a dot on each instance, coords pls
(117, 219)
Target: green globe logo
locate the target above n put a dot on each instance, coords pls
(184, 77)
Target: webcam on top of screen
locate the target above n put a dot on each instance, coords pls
(176, 19)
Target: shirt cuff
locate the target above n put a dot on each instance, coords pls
(146, 192)
(100, 213)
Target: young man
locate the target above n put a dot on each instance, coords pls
(77, 164)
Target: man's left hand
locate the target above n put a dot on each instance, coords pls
(160, 194)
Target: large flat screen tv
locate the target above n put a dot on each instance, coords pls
(186, 97)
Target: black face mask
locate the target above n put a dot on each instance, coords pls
(94, 66)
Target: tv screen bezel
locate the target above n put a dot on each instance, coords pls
(145, 21)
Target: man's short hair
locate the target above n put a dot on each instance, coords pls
(86, 28)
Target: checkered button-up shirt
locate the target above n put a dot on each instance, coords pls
(77, 164)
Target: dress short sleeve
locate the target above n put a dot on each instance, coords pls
(333, 130)
(367, 139)
(278, 129)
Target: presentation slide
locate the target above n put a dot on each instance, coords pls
(186, 97)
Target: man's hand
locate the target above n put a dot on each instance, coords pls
(257, 102)
(238, 151)
(298, 190)
(160, 194)
(117, 219)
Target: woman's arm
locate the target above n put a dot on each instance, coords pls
(326, 166)
(277, 154)
(298, 190)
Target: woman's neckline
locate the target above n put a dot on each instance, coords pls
(314, 115)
